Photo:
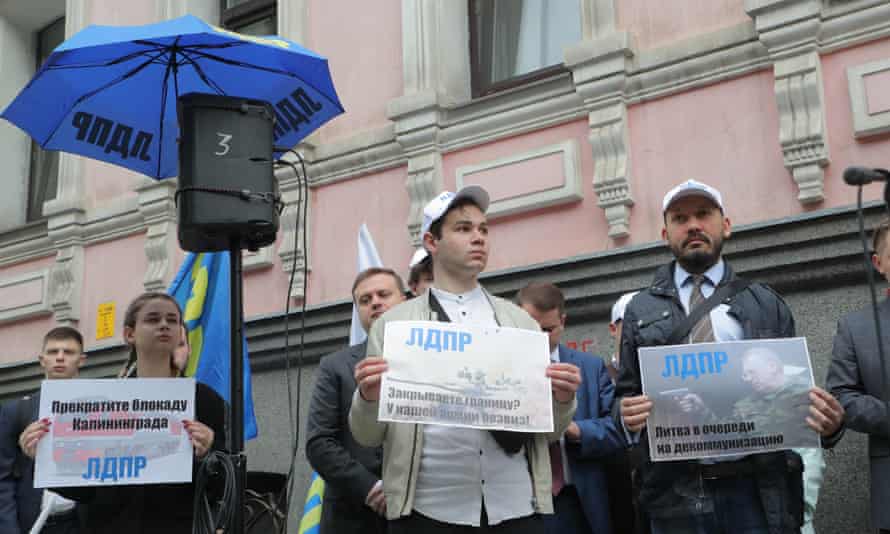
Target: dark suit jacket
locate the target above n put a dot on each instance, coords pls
(19, 501)
(854, 378)
(599, 436)
(348, 469)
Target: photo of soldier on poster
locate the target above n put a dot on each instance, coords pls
(722, 399)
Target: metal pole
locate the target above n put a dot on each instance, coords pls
(236, 426)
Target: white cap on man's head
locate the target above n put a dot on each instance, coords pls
(620, 305)
(692, 188)
(437, 207)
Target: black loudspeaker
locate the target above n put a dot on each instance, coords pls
(227, 186)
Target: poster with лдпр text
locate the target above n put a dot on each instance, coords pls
(466, 376)
(115, 432)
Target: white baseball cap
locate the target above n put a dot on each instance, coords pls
(692, 188)
(437, 207)
(419, 255)
(620, 305)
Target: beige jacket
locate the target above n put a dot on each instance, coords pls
(403, 442)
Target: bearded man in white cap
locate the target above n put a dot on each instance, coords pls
(757, 493)
(441, 479)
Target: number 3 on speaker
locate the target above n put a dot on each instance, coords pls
(223, 143)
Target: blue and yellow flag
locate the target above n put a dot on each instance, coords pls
(311, 520)
(202, 289)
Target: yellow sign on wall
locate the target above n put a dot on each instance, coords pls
(105, 321)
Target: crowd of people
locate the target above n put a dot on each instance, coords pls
(592, 474)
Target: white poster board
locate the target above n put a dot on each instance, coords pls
(466, 376)
(115, 432)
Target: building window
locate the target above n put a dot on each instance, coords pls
(513, 42)
(250, 17)
(44, 175)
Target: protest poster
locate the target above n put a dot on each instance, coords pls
(115, 432)
(725, 399)
(466, 376)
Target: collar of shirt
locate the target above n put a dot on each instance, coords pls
(554, 355)
(461, 298)
(683, 282)
(712, 275)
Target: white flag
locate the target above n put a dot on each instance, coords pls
(367, 258)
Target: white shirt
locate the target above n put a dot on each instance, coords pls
(725, 327)
(566, 474)
(462, 467)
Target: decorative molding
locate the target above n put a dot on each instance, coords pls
(75, 16)
(790, 30)
(24, 310)
(802, 130)
(611, 177)
(569, 191)
(867, 123)
(859, 23)
(292, 18)
(597, 18)
(208, 10)
(66, 281)
(158, 210)
(418, 119)
(256, 261)
(696, 62)
(600, 72)
(435, 50)
(423, 183)
(291, 247)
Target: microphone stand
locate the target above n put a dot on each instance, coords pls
(870, 275)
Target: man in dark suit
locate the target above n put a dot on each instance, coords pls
(856, 378)
(20, 502)
(580, 487)
(353, 499)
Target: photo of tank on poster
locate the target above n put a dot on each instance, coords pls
(724, 399)
(115, 432)
(466, 376)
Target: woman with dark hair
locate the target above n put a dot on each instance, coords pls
(152, 329)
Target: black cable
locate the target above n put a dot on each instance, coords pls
(294, 407)
(216, 464)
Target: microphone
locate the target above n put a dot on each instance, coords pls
(865, 175)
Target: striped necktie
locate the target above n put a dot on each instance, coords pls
(703, 331)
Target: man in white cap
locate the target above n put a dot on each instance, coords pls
(440, 479)
(758, 493)
(615, 332)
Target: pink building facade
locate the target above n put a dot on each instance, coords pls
(767, 100)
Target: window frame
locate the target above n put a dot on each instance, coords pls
(477, 88)
(246, 13)
(34, 213)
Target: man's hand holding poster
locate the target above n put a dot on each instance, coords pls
(724, 399)
(115, 432)
(468, 376)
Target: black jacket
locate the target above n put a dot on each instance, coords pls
(19, 501)
(675, 489)
(348, 469)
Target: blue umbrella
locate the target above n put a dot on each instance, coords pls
(109, 92)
